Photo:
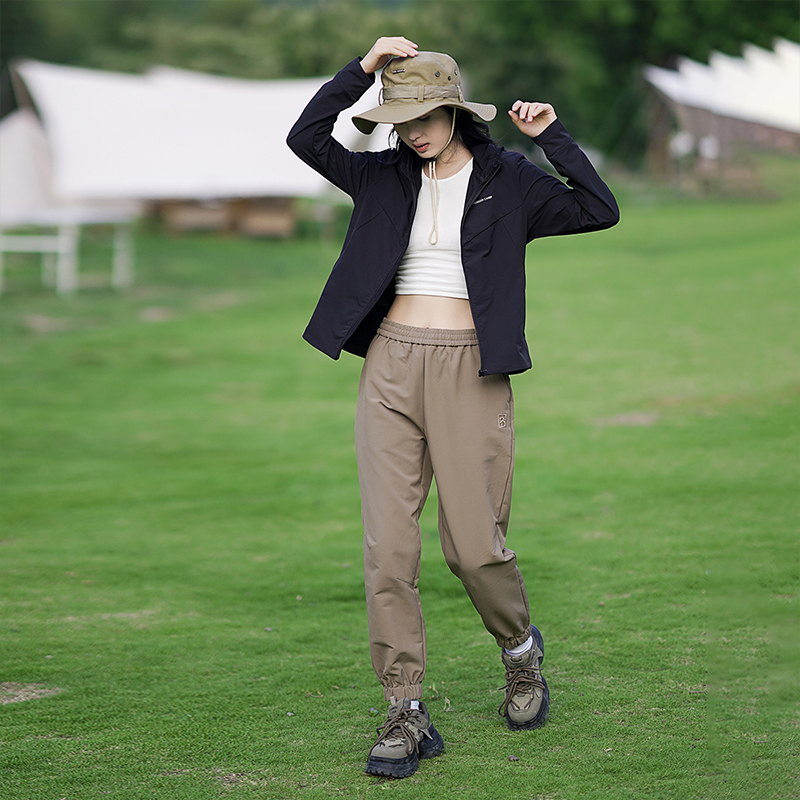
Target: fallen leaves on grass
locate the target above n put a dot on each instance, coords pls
(231, 779)
(19, 692)
(435, 696)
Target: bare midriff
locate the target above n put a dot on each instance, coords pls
(428, 311)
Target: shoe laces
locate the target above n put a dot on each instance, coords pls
(518, 681)
(400, 726)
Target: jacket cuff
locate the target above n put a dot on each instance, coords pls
(354, 69)
(555, 135)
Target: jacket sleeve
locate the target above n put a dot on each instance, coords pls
(583, 204)
(311, 136)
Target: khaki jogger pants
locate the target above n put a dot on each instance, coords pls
(423, 411)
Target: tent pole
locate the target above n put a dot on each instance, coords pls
(67, 264)
(122, 267)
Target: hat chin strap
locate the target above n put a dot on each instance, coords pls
(433, 236)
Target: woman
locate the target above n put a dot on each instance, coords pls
(430, 289)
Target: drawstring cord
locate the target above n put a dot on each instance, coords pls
(433, 236)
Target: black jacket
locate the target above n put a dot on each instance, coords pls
(510, 202)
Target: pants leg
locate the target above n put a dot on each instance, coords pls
(471, 443)
(394, 473)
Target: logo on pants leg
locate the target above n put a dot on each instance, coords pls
(502, 420)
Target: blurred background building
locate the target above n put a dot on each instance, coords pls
(716, 113)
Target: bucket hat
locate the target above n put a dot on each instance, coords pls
(414, 86)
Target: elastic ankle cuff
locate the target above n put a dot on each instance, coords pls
(521, 638)
(399, 692)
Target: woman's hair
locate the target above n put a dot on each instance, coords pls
(470, 130)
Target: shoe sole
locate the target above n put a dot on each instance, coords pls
(541, 716)
(404, 767)
(393, 767)
(430, 748)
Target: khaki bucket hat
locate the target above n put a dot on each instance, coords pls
(414, 86)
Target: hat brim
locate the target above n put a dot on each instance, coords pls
(396, 113)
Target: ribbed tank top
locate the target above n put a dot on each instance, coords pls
(435, 269)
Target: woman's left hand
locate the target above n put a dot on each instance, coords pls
(532, 118)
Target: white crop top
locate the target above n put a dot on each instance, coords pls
(435, 269)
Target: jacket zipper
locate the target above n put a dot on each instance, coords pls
(467, 205)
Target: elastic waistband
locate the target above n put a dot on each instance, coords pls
(446, 337)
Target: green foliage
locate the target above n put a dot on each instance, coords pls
(66, 32)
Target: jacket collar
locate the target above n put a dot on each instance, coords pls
(485, 159)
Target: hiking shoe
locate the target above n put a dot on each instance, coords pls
(406, 737)
(527, 697)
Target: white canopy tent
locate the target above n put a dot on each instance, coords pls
(175, 134)
(105, 142)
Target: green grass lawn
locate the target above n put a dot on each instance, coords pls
(181, 544)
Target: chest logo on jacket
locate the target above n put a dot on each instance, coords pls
(482, 200)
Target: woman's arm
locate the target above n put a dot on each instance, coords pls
(311, 136)
(585, 203)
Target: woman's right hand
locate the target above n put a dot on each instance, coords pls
(385, 48)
